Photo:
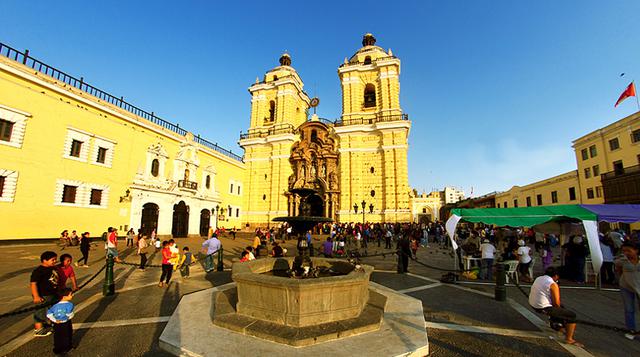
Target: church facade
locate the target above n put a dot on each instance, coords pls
(78, 158)
(356, 165)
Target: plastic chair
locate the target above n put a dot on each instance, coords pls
(512, 270)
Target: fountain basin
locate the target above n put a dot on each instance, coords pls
(300, 302)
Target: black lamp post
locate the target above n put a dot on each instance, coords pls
(217, 209)
(364, 205)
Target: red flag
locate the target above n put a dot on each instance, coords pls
(629, 92)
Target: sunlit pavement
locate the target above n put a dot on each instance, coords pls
(462, 319)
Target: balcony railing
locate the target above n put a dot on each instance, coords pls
(373, 120)
(188, 184)
(622, 186)
(263, 133)
(25, 59)
(623, 171)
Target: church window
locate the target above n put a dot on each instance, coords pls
(155, 167)
(264, 197)
(272, 111)
(424, 210)
(369, 96)
(275, 78)
(76, 147)
(186, 175)
(6, 128)
(373, 193)
(314, 135)
(367, 60)
(372, 169)
(208, 182)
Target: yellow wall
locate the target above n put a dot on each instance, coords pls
(53, 109)
(604, 157)
(559, 184)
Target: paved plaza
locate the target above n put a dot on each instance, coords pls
(462, 319)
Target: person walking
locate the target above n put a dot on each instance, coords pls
(628, 267)
(112, 243)
(487, 253)
(185, 261)
(167, 267)
(85, 246)
(210, 247)
(130, 235)
(544, 297)
(142, 251)
(404, 252)
(606, 271)
(66, 272)
(44, 289)
(524, 260)
(60, 316)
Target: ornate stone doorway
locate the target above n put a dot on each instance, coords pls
(180, 227)
(149, 221)
(314, 160)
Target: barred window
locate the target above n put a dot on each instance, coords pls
(554, 196)
(6, 128)
(69, 194)
(2, 178)
(96, 197)
(102, 155)
(76, 147)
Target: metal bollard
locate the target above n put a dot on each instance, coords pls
(109, 287)
(220, 266)
(501, 279)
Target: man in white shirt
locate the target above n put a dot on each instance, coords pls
(487, 251)
(544, 297)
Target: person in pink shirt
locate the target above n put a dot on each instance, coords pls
(66, 272)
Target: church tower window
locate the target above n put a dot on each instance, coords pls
(272, 111)
(367, 60)
(369, 96)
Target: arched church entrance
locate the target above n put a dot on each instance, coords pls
(180, 227)
(149, 221)
(316, 205)
(205, 217)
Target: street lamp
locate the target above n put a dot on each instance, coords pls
(355, 208)
(364, 205)
(217, 209)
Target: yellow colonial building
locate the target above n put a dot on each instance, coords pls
(355, 163)
(74, 157)
(557, 190)
(608, 171)
(608, 160)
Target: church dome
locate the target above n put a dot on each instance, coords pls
(285, 59)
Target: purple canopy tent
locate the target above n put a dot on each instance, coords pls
(615, 213)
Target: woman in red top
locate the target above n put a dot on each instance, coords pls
(167, 267)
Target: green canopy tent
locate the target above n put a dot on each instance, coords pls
(529, 217)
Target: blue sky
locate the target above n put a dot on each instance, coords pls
(496, 90)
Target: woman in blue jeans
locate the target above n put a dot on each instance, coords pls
(629, 268)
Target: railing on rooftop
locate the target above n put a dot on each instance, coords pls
(274, 130)
(373, 120)
(25, 59)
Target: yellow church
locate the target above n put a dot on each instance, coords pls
(75, 157)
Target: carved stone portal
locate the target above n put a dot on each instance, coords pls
(314, 160)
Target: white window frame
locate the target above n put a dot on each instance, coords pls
(10, 185)
(75, 134)
(98, 143)
(83, 194)
(19, 120)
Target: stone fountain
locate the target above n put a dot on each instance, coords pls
(299, 306)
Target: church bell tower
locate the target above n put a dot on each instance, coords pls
(278, 106)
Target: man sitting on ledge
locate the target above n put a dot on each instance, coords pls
(544, 297)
